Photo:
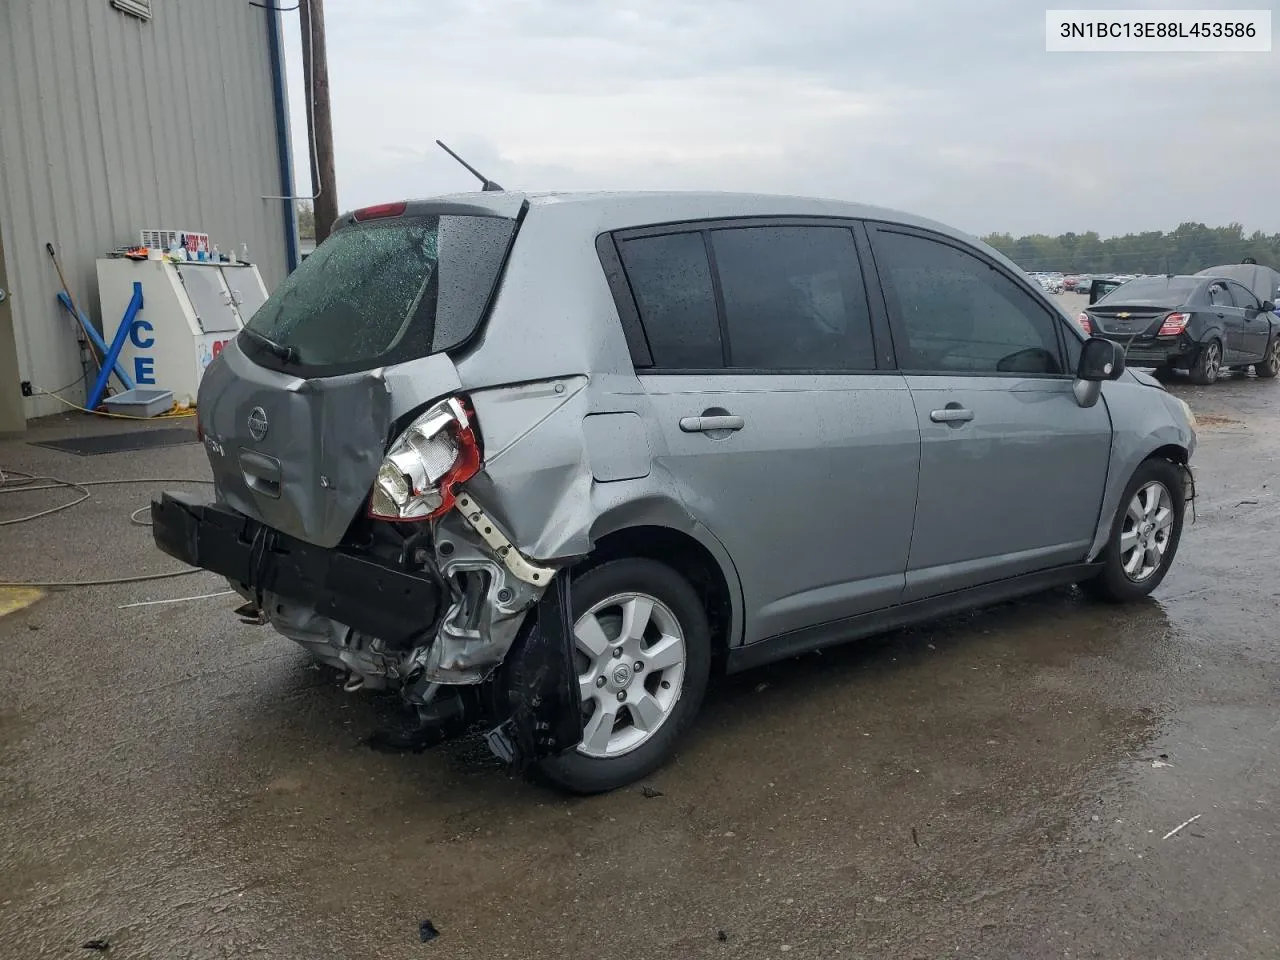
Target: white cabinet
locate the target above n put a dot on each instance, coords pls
(189, 312)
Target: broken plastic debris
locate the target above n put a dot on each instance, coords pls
(427, 931)
(722, 936)
(99, 945)
(650, 792)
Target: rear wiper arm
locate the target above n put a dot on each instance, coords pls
(277, 350)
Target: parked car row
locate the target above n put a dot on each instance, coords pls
(1049, 282)
(1053, 282)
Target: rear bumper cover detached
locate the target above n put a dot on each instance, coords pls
(354, 590)
(537, 716)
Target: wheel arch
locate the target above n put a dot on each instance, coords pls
(1145, 424)
(1173, 452)
(693, 553)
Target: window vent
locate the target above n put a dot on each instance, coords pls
(137, 8)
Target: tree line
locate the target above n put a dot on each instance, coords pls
(1191, 247)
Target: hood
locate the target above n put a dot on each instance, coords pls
(1144, 378)
(1262, 281)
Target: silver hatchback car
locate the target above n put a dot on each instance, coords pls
(541, 462)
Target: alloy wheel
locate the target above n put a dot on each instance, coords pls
(1212, 362)
(630, 653)
(1148, 527)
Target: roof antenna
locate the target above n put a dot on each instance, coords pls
(488, 184)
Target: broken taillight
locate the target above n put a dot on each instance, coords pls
(1085, 325)
(1174, 324)
(437, 451)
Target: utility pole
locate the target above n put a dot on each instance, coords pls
(315, 71)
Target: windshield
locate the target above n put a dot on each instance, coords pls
(382, 292)
(1152, 291)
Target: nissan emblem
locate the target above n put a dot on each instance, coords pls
(258, 423)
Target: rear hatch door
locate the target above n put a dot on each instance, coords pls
(297, 412)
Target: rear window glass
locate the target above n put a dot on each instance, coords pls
(1153, 291)
(383, 292)
(671, 280)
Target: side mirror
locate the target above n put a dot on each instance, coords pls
(1268, 306)
(1100, 359)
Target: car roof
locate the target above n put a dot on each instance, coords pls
(657, 206)
(597, 212)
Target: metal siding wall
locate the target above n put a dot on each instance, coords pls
(109, 124)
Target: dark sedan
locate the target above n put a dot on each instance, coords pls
(1195, 323)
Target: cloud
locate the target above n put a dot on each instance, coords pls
(950, 110)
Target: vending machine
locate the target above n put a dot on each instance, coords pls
(190, 310)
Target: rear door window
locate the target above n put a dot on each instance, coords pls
(382, 292)
(670, 278)
(954, 313)
(793, 298)
(1219, 297)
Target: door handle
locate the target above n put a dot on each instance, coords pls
(951, 415)
(711, 424)
(261, 473)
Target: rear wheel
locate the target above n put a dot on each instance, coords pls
(642, 648)
(1270, 366)
(1208, 364)
(1145, 535)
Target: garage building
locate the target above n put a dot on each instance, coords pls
(118, 116)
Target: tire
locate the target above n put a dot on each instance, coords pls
(1270, 366)
(1113, 582)
(1208, 364)
(607, 760)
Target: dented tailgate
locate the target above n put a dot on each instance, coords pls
(301, 455)
(298, 455)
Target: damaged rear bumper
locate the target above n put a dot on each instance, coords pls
(358, 591)
(423, 630)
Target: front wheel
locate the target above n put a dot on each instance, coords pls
(1208, 364)
(642, 648)
(1145, 535)
(1270, 366)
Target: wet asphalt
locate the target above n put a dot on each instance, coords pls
(1001, 784)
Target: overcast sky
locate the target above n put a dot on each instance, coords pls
(950, 110)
